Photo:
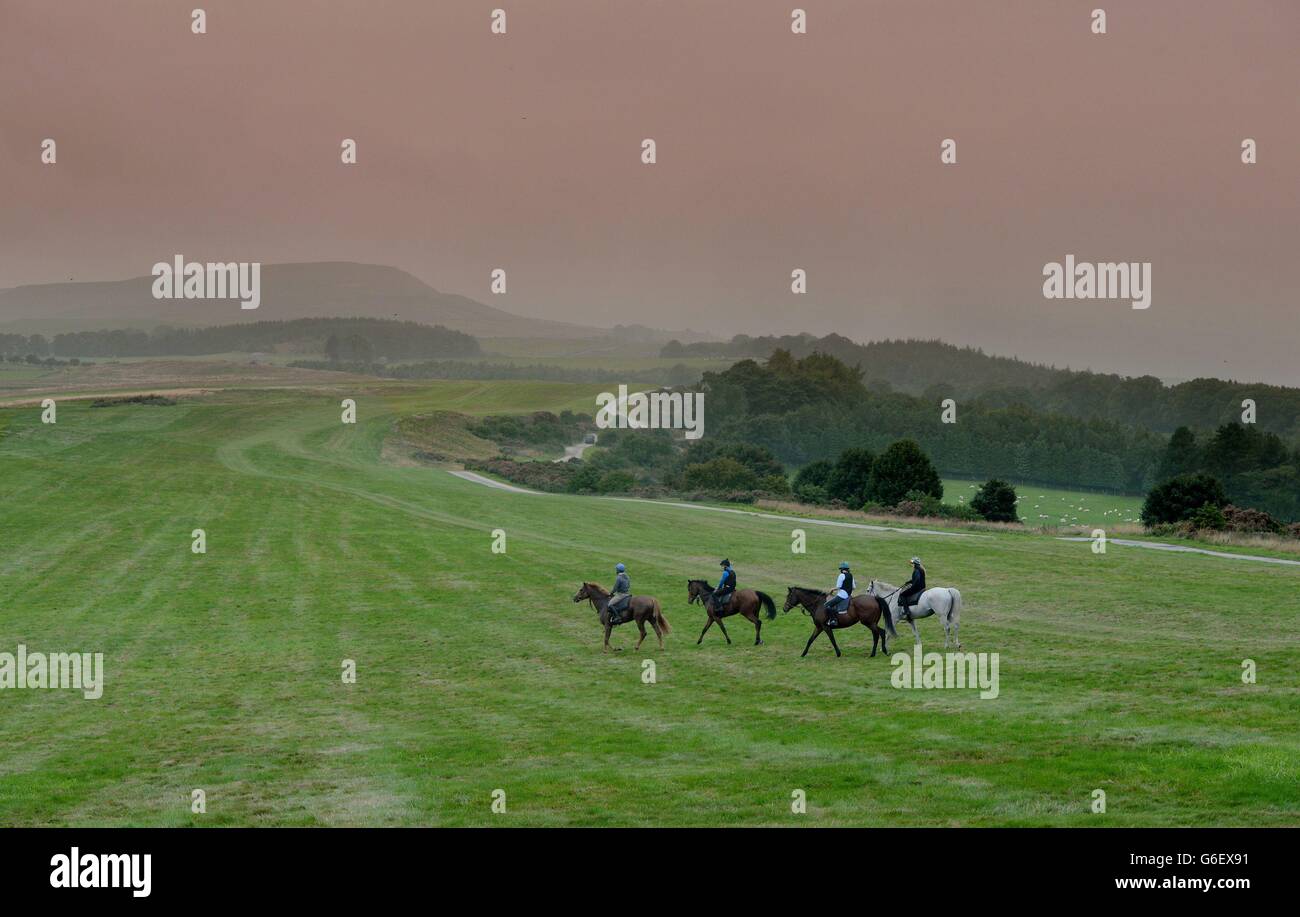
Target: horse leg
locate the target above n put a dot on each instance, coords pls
(707, 625)
(915, 633)
(640, 623)
(724, 631)
(654, 622)
(831, 634)
(758, 627)
(608, 627)
(875, 638)
(810, 641)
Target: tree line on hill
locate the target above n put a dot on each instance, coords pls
(485, 369)
(815, 407)
(1237, 466)
(938, 370)
(363, 339)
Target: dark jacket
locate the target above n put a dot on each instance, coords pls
(622, 583)
(727, 584)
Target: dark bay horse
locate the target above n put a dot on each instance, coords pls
(862, 609)
(744, 602)
(642, 607)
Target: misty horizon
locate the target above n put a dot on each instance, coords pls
(818, 151)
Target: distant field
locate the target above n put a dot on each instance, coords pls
(476, 671)
(1051, 506)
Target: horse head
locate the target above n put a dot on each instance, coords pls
(697, 590)
(589, 591)
(797, 595)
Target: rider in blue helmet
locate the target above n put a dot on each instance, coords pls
(726, 585)
(840, 595)
(619, 595)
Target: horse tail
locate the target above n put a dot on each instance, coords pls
(659, 616)
(768, 604)
(889, 617)
(955, 611)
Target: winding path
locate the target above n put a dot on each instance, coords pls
(863, 526)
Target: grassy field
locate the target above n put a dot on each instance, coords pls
(1047, 506)
(476, 672)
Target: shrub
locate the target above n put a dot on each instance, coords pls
(1207, 517)
(1176, 499)
(901, 469)
(810, 493)
(850, 476)
(1244, 519)
(615, 482)
(995, 501)
(719, 474)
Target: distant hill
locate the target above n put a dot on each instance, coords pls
(289, 291)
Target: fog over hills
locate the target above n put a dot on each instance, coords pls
(289, 291)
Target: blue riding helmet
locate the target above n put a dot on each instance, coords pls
(844, 565)
(619, 568)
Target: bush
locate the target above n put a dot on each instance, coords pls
(996, 501)
(1243, 519)
(850, 476)
(901, 469)
(814, 474)
(811, 493)
(1207, 517)
(615, 482)
(719, 474)
(1176, 499)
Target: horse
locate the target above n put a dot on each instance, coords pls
(643, 607)
(862, 609)
(744, 602)
(940, 600)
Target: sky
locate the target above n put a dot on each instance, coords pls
(775, 151)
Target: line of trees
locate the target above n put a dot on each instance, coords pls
(362, 339)
(1238, 463)
(815, 407)
(937, 370)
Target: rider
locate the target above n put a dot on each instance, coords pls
(726, 585)
(911, 594)
(621, 592)
(839, 598)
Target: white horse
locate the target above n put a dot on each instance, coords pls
(941, 601)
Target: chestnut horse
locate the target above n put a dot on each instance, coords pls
(862, 609)
(744, 602)
(642, 607)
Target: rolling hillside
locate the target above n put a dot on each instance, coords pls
(476, 671)
(289, 291)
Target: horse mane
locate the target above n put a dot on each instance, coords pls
(806, 589)
(596, 586)
(704, 581)
(884, 586)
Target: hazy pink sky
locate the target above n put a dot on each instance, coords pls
(775, 151)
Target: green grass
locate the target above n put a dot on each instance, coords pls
(1050, 506)
(476, 671)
